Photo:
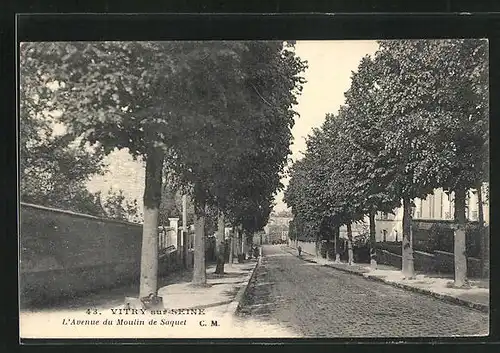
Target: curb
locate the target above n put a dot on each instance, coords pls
(235, 304)
(444, 297)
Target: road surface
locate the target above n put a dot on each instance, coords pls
(310, 300)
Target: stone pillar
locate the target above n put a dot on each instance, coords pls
(174, 224)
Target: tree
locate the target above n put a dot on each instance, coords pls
(126, 94)
(407, 111)
(340, 182)
(220, 247)
(169, 206)
(415, 119)
(99, 88)
(201, 157)
(327, 199)
(252, 218)
(117, 206)
(300, 198)
(215, 165)
(431, 103)
(174, 100)
(369, 166)
(53, 169)
(462, 71)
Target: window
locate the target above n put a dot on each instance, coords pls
(384, 216)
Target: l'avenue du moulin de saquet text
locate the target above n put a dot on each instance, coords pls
(137, 317)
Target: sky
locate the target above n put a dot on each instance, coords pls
(328, 77)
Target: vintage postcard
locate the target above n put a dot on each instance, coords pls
(254, 189)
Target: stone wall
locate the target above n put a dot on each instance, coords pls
(438, 262)
(388, 258)
(308, 247)
(64, 253)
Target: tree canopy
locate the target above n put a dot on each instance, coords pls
(415, 118)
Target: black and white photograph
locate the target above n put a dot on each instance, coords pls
(254, 189)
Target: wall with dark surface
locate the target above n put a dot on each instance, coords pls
(437, 262)
(64, 253)
(388, 258)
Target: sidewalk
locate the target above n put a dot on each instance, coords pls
(220, 297)
(218, 301)
(439, 286)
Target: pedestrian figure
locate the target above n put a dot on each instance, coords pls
(255, 251)
(300, 250)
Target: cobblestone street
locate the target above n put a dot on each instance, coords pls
(316, 301)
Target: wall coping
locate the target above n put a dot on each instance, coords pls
(424, 253)
(444, 252)
(431, 255)
(391, 253)
(81, 215)
(451, 254)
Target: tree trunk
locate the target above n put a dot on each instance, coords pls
(329, 238)
(231, 247)
(336, 242)
(373, 241)
(238, 244)
(408, 267)
(350, 253)
(179, 246)
(184, 231)
(220, 244)
(460, 246)
(317, 247)
(152, 198)
(199, 268)
(250, 245)
(241, 245)
(243, 241)
(185, 248)
(483, 236)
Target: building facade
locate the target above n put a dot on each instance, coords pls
(277, 229)
(437, 206)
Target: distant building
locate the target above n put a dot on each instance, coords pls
(260, 236)
(436, 206)
(357, 229)
(277, 228)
